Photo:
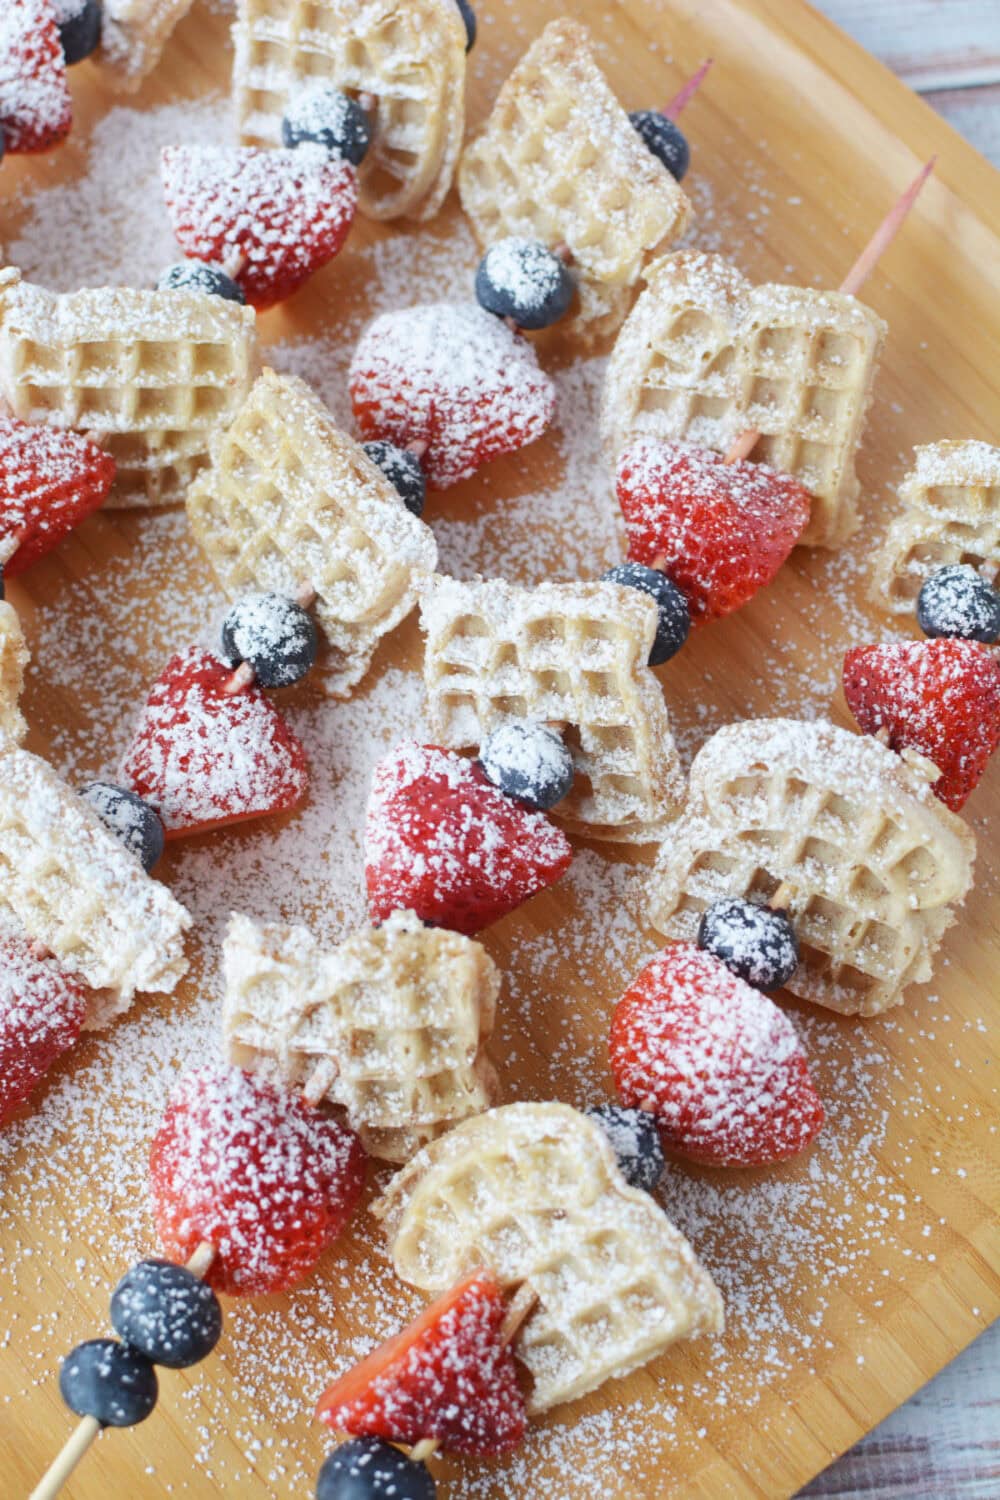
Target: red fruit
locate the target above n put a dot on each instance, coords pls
(269, 218)
(718, 1063)
(35, 106)
(42, 1011)
(50, 481)
(203, 757)
(940, 697)
(455, 377)
(255, 1171)
(448, 1375)
(719, 531)
(444, 843)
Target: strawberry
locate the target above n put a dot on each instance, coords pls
(453, 377)
(715, 1060)
(448, 1375)
(42, 1011)
(269, 218)
(441, 841)
(939, 697)
(203, 757)
(50, 481)
(719, 531)
(254, 1170)
(35, 106)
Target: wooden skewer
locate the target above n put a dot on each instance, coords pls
(687, 93)
(244, 675)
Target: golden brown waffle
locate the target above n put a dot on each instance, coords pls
(533, 1191)
(873, 861)
(71, 885)
(149, 375)
(402, 1012)
(410, 56)
(705, 355)
(952, 515)
(13, 660)
(133, 35)
(290, 500)
(572, 655)
(560, 161)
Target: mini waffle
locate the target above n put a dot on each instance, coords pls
(133, 36)
(13, 660)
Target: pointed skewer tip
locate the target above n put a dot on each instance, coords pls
(684, 96)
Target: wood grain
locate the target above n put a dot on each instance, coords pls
(929, 43)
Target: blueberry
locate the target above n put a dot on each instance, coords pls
(79, 29)
(469, 17)
(129, 818)
(523, 280)
(166, 1313)
(635, 1139)
(675, 617)
(529, 762)
(274, 634)
(957, 601)
(109, 1381)
(403, 471)
(200, 276)
(755, 942)
(369, 1469)
(324, 116)
(665, 139)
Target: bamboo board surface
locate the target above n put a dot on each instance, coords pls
(851, 1276)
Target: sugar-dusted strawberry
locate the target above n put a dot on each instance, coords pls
(453, 377)
(448, 1375)
(715, 1060)
(42, 1011)
(270, 218)
(441, 841)
(35, 106)
(720, 531)
(203, 757)
(50, 481)
(939, 697)
(256, 1172)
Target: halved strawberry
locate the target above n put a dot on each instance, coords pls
(454, 377)
(50, 481)
(269, 218)
(940, 698)
(42, 1011)
(444, 843)
(36, 110)
(716, 1061)
(448, 1375)
(203, 757)
(719, 531)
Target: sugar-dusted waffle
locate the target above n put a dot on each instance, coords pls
(394, 1020)
(13, 660)
(148, 374)
(133, 36)
(573, 655)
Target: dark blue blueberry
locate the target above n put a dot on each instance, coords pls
(469, 17)
(274, 634)
(635, 1140)
(80, 30)
(403, 471)
(200, 276)
(369, 1469)
(109, 1381)
(129, 818)
(755, 942)
(675, 617)
(957, 601)
(166, 1313)
(528, 761)
(324, 116)
(524, 280)
(665, 139)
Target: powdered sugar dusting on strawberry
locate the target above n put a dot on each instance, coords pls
(49, 482)
(42, 1011)
(35, 106)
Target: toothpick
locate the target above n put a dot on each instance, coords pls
(687, 93)
(244, 675)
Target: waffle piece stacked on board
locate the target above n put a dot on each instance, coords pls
(133, 36)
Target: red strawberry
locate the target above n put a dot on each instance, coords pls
(203, 757)
(50, 481)
(719, 531)
(454, 377)
(940, 697)
(252, 1169)
(42, 1011)
(718, 1063)
(441, 841)
(35, 106)
(270, 218)
(448, 1375)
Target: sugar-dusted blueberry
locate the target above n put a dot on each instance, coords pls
(79, 28)
(471, 28)
(957, 601)
(403, 471)
(200, 276)
(274, 634)
(166, 1313)
(635, 1140)
(524, 280)
(107, 1380)
(675, 617)
(129, 818)
(665, 139)
(753, 941)
(528, 761)
(322, 115)
(368, 1468)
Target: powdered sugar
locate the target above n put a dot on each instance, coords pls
(35, 107)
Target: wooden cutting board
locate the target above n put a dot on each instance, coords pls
(850, 1276)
